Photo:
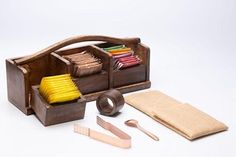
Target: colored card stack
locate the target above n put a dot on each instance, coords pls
(84, 63)
(123, 57)
(59, 88)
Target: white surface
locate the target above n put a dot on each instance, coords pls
(193, 54)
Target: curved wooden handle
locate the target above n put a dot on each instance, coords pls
(74, 40)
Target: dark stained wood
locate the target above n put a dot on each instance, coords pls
(92, 83)
(17, 86)
(86, 84)
(105, 57)
(143, 52)
(69, 51)
(57, 113)
(59, 65)
(73, 40)
(107, 62)
(25, 72)
(92, 49)
(128, 76)
(134, 87)
(37, 70)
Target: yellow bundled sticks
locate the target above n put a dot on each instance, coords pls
(59, 88)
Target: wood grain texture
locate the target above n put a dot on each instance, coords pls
(38, 69)
(57, 113)
(143, 52)
(86, 84)
(128, 76)
(31, 69)
(17, 86)
(59, 65)
(92, 83)
(107, 63)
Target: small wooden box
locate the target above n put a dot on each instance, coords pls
(132, 75)
(56, 113)
(25, 73)
(86, 84)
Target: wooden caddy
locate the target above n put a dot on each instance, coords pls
(25, 73)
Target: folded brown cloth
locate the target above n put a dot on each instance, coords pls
(183, 118)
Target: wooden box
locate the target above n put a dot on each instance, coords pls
(86, 84)
(57, 113)
(132, 75)
(25, 73)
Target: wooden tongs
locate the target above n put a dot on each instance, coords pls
(123, 140)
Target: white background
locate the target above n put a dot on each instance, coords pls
(193, 59)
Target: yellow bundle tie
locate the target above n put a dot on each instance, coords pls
(59, 88)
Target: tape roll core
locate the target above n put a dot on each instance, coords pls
(107, 109)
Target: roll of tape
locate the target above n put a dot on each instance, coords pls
(109, 109)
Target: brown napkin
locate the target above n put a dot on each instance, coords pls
(182, 118)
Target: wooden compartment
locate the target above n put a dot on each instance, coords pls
(86, 84)
(57, 113)
(131, 75)
(20, 78)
